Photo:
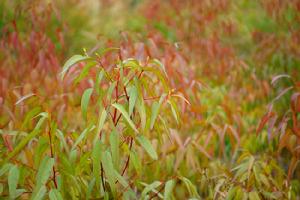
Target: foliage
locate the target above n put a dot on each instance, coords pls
(169, 99)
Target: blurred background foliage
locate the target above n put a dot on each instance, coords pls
(236, 62)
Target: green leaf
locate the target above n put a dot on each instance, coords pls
(54, 194)
(190, 186)
(149, 188)
(146, 144)
(13, 179)
(98, 81)
(125, 115)
(96, 158)
(154, 113)
(160, 65)
(109, 170)
(44, 171)
(133, 97)
(134, 159)
(5, 168)
(85, 101)
(85, 71)
(168, 189)
(155, 110)
(30, 115)
(82, 136)
(254, 196)
(101, 121)
(39, 195)
(132, 63)
(142, 111)
(121, 179)
(110, 91)
(90, 188)
(114, 145)
(29, 137)
(62, 140)
(72, 61)
(174, 110)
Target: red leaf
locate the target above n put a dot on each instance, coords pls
(264, 120)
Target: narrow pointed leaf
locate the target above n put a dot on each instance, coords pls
(125, 115)
(54, 194)
(150, 188)
(132, 99)
(114, 145)
(168, 189)
(109, 170)
(13, 179)
(44, 171)
(155, 110)
(72, 61)
(39, 195)
(85, 101)
(146, 144)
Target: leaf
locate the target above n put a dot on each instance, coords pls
(168, 189)
(54, 194)
(263, 121)
(30, 115)
(85, 71)
(146, 144)
(13, 179)
(130, 62)
(114, 145)
(85, 101)
(191, 188)
(5, 168)
(82, 136)
(62, 140)
(101, 120)
(254, 196)
(110, 91)
(174, 110)
(125, 115)
(90, 188)
(96, 158)
(142, 111)
(181, 97)
(149, 188)
(72, 61)
(250, 166)
(98, 80)
(154, 113)
(276, 78)
(134, 159)
(39, 195)
(162, 66)
(281, 93)
(121, 179)
(44, 171)
(109, 170)
(24, 98)
(132, 100)
(104, 51)
(30, 136)
(155, 110)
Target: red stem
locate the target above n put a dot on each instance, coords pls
(52, 156)
(128, 158)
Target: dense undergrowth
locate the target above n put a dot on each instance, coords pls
(139, 99)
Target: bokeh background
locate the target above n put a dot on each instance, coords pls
(237, 62)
